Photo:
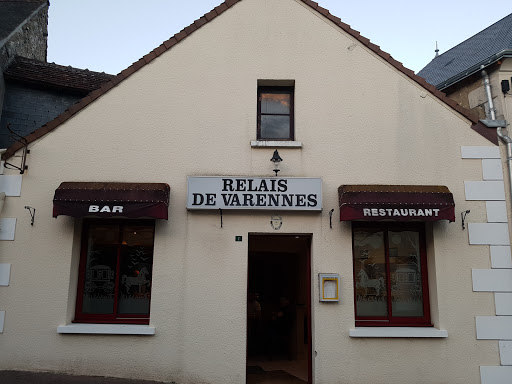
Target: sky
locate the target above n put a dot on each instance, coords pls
(105, 36)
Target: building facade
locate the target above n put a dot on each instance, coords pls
(155, 239)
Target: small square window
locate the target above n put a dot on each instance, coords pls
(275, 113)
(390, 275)
(116, 262)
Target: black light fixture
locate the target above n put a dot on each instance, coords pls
(505, 86)
(276, 159)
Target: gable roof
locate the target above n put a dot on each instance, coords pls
(51, 75)
(488, 133)
(465, 59)
(15, 12)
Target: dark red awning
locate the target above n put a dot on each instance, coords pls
(110, 200)
(396, 202)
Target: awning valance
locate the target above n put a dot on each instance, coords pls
(110, 200)
(396, 202)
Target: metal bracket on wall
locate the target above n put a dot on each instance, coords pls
(463, 215)
(32, 212)
(330, 217)
(24, 142)
(220, 211)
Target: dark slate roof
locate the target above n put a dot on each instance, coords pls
(14, 12)
(476, 125)
(54, 76)
(484, 48)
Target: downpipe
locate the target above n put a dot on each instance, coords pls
(502, 136)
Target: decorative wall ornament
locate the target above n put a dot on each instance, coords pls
(276, 222)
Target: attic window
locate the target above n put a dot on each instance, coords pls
(275, 113)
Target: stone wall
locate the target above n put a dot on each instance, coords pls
(29, 40)
(28, 108)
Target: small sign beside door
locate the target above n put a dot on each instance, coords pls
(329, 287)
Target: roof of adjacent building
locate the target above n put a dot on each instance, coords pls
(488, 133)
(484, 48)
(15, 12)
(51, 75)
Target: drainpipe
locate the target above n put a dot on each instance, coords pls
(502, 136)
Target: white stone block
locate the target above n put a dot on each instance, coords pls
(488, 233)
(7, 228)
(494, 328)
(492, 280)
(506, 352)
(492, 169)
(495, 375)
(474, 152)
(484, 190)
(11, 184)
(2, 320)
(503, 302)
(496, 211)
(500, 256)
(5, 274)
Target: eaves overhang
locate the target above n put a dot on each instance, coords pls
(506, 53)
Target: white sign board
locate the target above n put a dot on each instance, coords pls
(254, 193)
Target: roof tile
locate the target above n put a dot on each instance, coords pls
(334, 19)
(200, 22)
(117, 79)
(221, 8)
(149, 57)
(322, 10)
(107, 86)
(159, 50)
(54, 76)
(211, 15)
(180, 35)
(312, 4)
(484, 48)
(169, 43)
(128, 71)
(373, 47)
(190, 29)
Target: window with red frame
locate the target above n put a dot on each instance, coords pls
(390, 274)
(116, 262)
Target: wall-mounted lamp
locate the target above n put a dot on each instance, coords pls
(505, 86)
(276, 159)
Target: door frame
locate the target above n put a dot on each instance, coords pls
(309, 308)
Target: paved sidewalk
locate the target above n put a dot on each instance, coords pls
(22, 377)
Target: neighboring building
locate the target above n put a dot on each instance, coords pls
(32, 91)
(23, 31)
(152, 237)
(458, 73)
(37, 92)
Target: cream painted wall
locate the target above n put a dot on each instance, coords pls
(192, 111)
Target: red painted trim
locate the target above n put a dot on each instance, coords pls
(113, 318)
(390, 320)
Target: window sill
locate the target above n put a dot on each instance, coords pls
(276, 144)
(398, 332)
(107, 329)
